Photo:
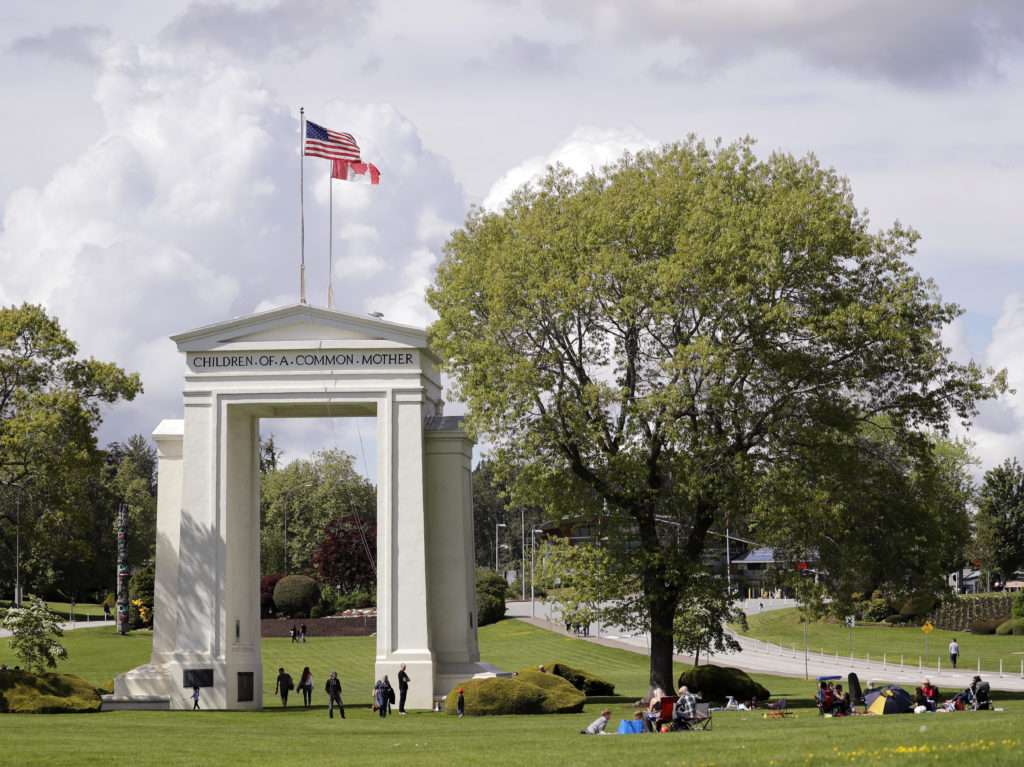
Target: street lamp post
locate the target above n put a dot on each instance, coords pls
(287, 496)
(533, 567)
(17, 555)
(522, 573)
(17, 548)
(499, 524)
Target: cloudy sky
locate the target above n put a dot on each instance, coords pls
(149, 175)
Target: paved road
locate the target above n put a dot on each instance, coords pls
(73, 625)
(759, 658)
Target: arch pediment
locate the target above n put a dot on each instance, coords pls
(298, 326)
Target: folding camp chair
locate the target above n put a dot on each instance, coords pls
(778, 710)
(668, 703)
(703, 719)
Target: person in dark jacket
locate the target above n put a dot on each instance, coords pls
(403, 688)
(333, 690)
(383, 694)
(284, 685)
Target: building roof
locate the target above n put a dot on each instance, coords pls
(763, 555)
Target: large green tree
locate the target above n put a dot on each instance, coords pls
(1000, 518)
(51, 404)
(880, 510)
(650, 343)
(307, 494)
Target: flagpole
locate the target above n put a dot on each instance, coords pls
(302, 208)
(330, 247)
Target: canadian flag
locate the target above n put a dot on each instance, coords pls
(359, 172)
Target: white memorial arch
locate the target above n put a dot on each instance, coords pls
(301, 361)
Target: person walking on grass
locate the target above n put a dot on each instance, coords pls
(333, 690)
(306, 687)
(284, 685)
(383, 694)
(954, 652)
(195, 698)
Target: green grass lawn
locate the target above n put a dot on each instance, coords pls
(295, 736)
(784, 626)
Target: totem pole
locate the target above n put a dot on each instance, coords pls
(122, 569)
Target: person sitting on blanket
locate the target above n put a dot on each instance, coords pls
(842, 704)
(686, 707)
(825, 698)
(597, 726)
(931, 694)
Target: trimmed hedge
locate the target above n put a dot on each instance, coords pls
(584, 681)
(716, 683)
(490, 597)
(1017, 610)
(489, 609)
(25, 693)
(295, 595)
(530, 693)
(1014, 626)
(985, 626)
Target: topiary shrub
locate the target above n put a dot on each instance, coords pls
(24, 693)
(1017, 610)
(984, 626)
(1014, 626)
(490, 597)
(489, 609)
(295, 595)
(530, 693)
(716, 683)
(584, 681)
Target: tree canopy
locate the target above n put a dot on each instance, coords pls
(654, 344)
(1000, 518)
(51, 404)
(309, 493)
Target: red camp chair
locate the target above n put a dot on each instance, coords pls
(668, 703)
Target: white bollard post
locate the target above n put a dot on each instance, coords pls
(885, 657)
(901, 662)
(938, 665)
(979, 666)
(851, 660)
(1000, 668)
(919, 664)
(867, 660)
(837, 658)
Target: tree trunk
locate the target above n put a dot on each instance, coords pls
(662, 645)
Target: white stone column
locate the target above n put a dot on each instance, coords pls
(238, 617)
(200, 553)
(168, 437)
(450, 560)
(403, 629)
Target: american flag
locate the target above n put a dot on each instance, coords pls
(329, 144)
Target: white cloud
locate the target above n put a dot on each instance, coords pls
(584, 149)
(185, 211)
